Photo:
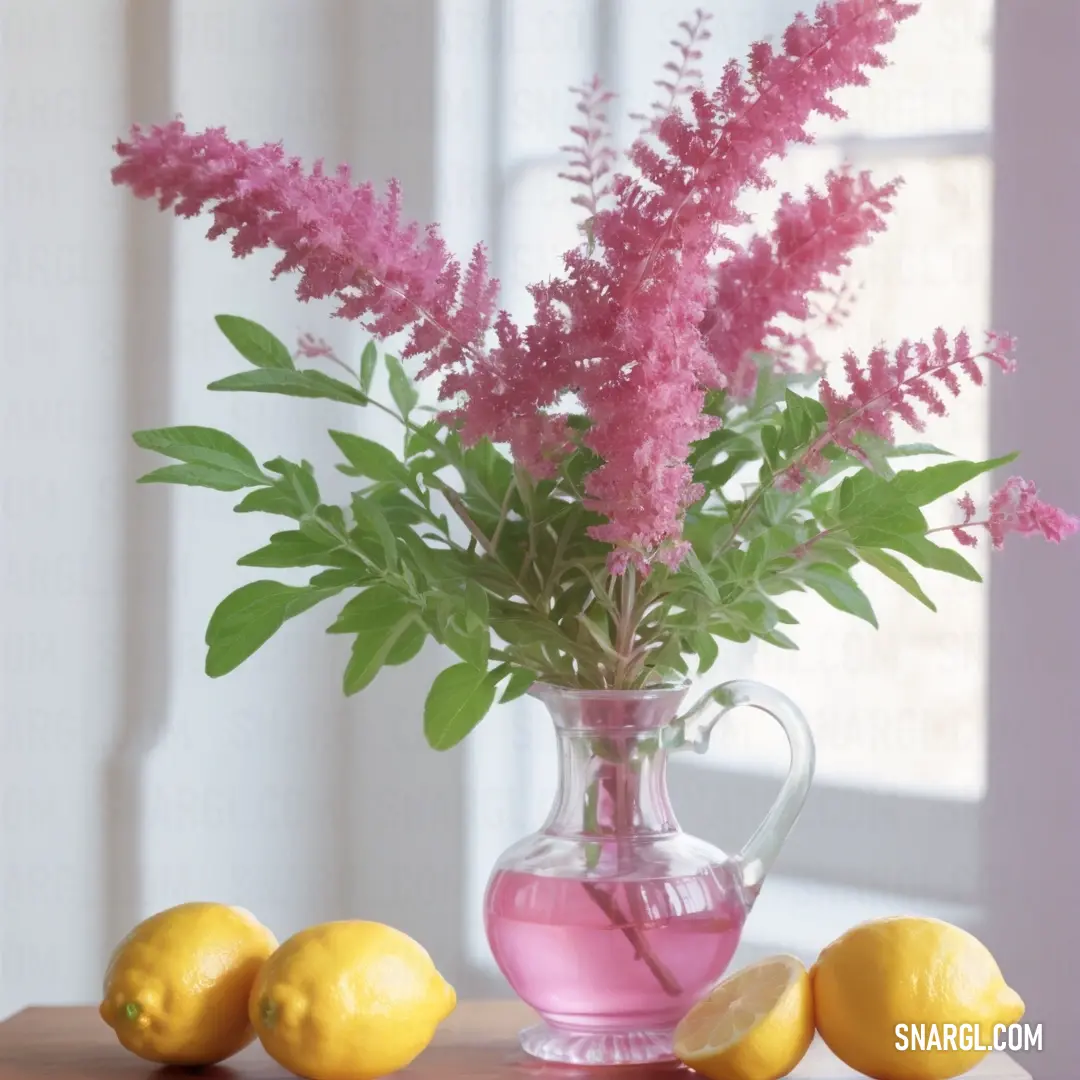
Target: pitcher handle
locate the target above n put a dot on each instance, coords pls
(692, 731)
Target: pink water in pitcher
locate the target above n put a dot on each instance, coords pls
(610, 921)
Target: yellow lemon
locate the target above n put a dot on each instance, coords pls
(177, 987)
(348, 1001)
(755, 1025)
(910, 971)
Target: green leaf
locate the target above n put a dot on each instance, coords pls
(254, 342)
(370, 519)
(518, 684)
(716, 476)
(669, 657)
(194, 475)
(928, 554)
(706, 648)
(922, 486)
(297, 484)
(291, 548)
(528, 628)
(408, 644)
(292, 383)
(426, 439)
(769, 388)
(838, 588)
(488, 470)
(896, 571)
(815, 410)
(343, 577)
(435, 564)
(755, 556)
(701, 576)
(249, 616)
(398, 508)
(458, 700)
(371, 459)
(916, 450)
(202, 446)
(369, 361)
(770, 445)
(755, 613)
(779, 639)
(370, 652)
(325, 525)
(378, 607)
(779, 540)
(876, 504)
(472, 641)
(476, 600)
(847, 493)
(797, 422)
(402, 388)
(726, 630)
(269, 500)
(297, 548)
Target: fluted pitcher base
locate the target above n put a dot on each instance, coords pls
(574, 1047)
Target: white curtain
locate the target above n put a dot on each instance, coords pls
(130, 781)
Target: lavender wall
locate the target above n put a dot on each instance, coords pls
(1032, 816)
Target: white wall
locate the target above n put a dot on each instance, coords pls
(62, 495)
(129, 781)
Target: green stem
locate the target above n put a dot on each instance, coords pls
(504, 511)
(626, 629)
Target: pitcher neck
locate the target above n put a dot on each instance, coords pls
(612, 762)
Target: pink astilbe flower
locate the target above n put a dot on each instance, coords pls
(1015, 508)
(657, 243)
(885, 389)
(314, 348)
(621, 329)
(681, 75)
(835, 304)
(967, 507)
(592, 157)
(540, 442)
(831, 305)
(776, 275)
(344, 240)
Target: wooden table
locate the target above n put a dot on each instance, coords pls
(479, 1042)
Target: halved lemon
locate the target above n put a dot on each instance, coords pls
(755, 1025)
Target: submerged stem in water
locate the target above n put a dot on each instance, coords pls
(618, 780)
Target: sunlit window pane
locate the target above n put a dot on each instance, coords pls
(548, 48)
(939, 79)
(540, 224)
(902, 707)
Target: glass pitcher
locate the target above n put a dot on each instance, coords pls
(610, 921)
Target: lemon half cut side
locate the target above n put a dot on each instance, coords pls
(755, 1025)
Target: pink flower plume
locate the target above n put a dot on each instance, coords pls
(682, 74)
(661, 308)
(314, 348)
(592, 157)
(777, 274)
(902, 386)
(344, 240)
(1015, 508)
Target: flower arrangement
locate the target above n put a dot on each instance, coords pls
(651, 463)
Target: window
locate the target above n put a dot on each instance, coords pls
(898, 713)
